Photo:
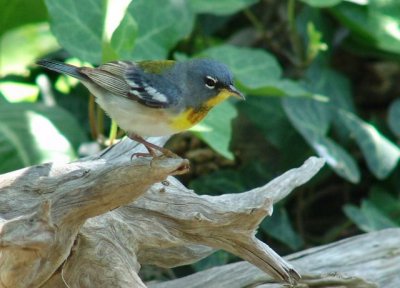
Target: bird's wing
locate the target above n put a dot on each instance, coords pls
(141, 82)
(110, 77)
(152, 89)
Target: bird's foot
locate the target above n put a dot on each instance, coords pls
(151, 148)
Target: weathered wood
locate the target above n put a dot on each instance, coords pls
(369, 260)
(62, 225)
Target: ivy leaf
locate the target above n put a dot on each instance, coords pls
(78, 26)
(368, 218)
(34, 133)
(158, 28)
(279, 227)
(375, 25)
(381, 154)
(312, 119)
(124, 37)
(20, 12)
(216, 128)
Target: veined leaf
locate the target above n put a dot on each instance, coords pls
(381, 154)
(216, 128)
(33, 133)
(158, 28)
(78, 26)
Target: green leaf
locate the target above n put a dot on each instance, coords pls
(218, 258)
(259, 110)
(322, 3)
(317, 32)
(20, 12)
(315, 42)
(19, 92)
(326, 81)
(220, 7)
(124, 37)
(266, 113)
(253, 68)
(385, 202)
(250, 175)
(369, 218)
(376, 25)
(216, 128)
(394, 117)
(336, 157)
(308, 116)
(281, 88)
(218, 183)
(3, 100)
(381, 154)
(33, 133)
(159, 28)
(21, 46)
(279, 227)
(79, 26)
(312, 120)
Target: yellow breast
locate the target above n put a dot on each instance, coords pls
(191, 116)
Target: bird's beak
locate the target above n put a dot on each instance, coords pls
(235, 93)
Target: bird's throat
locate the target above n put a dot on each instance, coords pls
(192, 116)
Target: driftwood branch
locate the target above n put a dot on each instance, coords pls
(369, 260)
(94, 222)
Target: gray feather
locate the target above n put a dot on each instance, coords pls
(60, 67)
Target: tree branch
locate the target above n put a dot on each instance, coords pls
(65, 223)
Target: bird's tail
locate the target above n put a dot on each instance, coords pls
(61, 67)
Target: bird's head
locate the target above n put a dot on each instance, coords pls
(210, 82)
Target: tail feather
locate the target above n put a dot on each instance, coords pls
(60, 67)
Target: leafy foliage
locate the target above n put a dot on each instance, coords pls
(320, 79)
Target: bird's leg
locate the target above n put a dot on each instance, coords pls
(150, 147)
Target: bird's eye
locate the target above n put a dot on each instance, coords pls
(210, 82)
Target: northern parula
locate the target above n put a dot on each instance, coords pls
(154, 98)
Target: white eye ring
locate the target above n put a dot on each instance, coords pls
(210, 82)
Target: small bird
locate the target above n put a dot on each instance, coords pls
(154, 98)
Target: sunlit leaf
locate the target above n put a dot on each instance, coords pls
(21, 46)
(312, 120)
(159, 28)
(19, 92)
(33, 133)
(381, 154)
(375, 25)
(79, 27)
(124, 38)
(336, 157)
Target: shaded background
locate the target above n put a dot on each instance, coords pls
(321, 78)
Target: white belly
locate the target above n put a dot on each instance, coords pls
(134, 117)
